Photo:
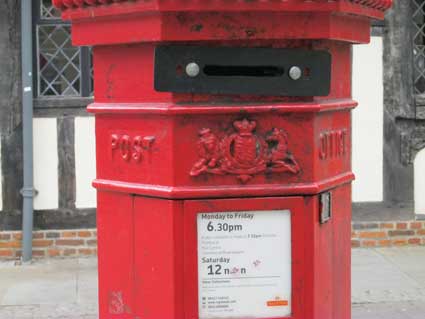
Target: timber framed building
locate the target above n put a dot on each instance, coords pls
(388, 133)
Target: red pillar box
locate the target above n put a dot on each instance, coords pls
(223, 154)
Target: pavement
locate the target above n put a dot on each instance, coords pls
(386, 283)
(55, 288)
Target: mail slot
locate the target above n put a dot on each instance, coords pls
(257, 71)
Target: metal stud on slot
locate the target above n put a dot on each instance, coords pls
(192, 69)
(295, 73)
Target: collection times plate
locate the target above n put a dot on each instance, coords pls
(244, 264)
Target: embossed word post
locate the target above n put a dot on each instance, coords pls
(223, 145)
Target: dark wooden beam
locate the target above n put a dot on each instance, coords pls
(51, 219)
(381, 211)
(10, 67)
(61, 112)
(61, 102)
(399, 104)
(66, 157)
(10, 104)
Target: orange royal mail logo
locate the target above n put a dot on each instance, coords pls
(278, 302)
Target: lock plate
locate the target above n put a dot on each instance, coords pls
(253, 71)
(325, 207)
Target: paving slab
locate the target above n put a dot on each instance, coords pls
(387, 275)
(386, 283)
(396, 310)
(410, 260)
(55, 288)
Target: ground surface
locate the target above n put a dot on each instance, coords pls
(387, 283)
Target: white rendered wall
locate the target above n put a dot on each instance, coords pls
(45, 163)
(85, 165)
(420, 182)
(368, 122)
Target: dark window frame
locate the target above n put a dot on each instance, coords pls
(418, 47)
(86, 83)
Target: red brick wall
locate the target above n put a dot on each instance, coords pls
(50, 243)
(83, 242)
(388, 234)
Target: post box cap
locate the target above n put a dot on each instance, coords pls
(100, 22)
(371, 8)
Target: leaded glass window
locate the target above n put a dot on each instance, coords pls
(47, 11)
(419, 45)
(62, 70)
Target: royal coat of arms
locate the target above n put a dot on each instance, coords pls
(244, 153)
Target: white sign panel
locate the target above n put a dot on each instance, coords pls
(244, 264)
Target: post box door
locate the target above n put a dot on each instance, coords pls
(247, 257)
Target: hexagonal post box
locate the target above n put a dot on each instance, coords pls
(223, 143)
